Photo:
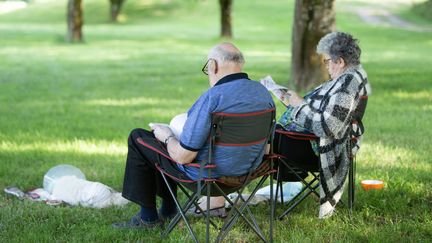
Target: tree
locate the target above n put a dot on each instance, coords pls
(115, 9)
(225, 7)
(312, 20)
(423, 9)
(74, 21)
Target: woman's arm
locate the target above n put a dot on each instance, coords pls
(334, 116)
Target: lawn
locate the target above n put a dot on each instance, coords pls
(76, 104)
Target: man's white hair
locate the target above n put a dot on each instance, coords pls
(226, 53)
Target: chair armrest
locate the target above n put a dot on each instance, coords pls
(198, 165)
(155, 145)
(297, 135)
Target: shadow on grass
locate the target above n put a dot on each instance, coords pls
(133, 11)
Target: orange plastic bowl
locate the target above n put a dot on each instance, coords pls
(372, 184)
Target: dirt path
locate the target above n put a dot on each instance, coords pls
(381, 13)
(386, 18)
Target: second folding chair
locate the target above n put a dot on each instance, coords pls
(309, 174)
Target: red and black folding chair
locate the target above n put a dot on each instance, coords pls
(309, 174)
(227, 129)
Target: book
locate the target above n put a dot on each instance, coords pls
(176, 124)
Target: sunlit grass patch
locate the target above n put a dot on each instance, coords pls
(76, 146)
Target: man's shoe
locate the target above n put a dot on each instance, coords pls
(137, 223)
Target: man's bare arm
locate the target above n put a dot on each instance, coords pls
(178, 153)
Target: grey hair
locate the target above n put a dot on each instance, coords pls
(340, 45)
(227, 53)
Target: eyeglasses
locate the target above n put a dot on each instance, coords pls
(326, 61)
(205, 67)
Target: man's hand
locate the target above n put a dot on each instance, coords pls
(162, 132)
(177, 152)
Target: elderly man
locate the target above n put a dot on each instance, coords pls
(230, 91)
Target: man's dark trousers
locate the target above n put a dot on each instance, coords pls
(142, 181)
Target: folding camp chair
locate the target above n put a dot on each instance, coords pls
(227, 129)
(300, 172)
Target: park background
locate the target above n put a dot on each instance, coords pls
(76, 104)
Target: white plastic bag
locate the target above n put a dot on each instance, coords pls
(290, 190)
(75, 191)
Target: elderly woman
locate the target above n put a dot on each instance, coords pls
(327, 112)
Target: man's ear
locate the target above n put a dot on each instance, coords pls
(214, 66)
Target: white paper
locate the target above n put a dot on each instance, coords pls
(176, 125)
(278, 90)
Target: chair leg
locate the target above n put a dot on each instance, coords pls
(176, 219)
(278, 188)
(208, 215)
(192, 199)
(281, 192)
(180, 210)
(351, 187)
(229, 216)
(231, 219)
(279, 185)
(272, 207)
(353, 181)
(251, 216)
(311, 188)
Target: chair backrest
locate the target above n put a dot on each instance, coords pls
(358, 116)
(361, 108)
(242, 129)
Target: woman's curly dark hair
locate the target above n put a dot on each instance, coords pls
(340, 45)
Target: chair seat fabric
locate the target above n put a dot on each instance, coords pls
(169, 167)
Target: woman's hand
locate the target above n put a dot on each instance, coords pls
(291, 98)
(294, 98)
(284, 97)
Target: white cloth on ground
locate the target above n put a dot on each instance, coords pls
(290, 190)
(76, 191)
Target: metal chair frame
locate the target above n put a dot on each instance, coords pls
(216, 187)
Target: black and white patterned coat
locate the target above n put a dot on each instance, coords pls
(328, 114)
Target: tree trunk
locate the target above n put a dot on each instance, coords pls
(115, 9)
(312, 20)
(226, 7)
(74, 20)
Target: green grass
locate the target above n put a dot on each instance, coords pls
(76, 104)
